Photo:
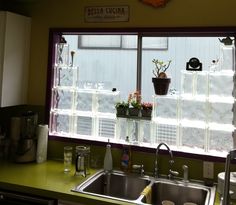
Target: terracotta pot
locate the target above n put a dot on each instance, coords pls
(161, 85)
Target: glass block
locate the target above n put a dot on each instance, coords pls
(220, 140)
(166, 106)
(60, 123)
(193, 137)
(166, 133)
(84, 125)
(121, 128)
(221, 112)
(133, 131)
(187, 82)
(107, 101)
(194, 109)
(227, 54)
(65, 76)
(62, 99)
(201, 85)
(84, 101)
(145, 131)
(221, 84)
(62, 54)
(106, 127)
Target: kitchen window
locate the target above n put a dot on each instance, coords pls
(195, 117)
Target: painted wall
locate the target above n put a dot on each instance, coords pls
(70, 13)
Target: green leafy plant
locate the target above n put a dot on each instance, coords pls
(135, 104)
(122, 104)
(160, 68)
(135, 100)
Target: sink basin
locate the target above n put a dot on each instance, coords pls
(120, 186)
(116, 185)
(180, 193)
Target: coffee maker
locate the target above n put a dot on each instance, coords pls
(26, 149)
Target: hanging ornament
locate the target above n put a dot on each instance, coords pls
(155, 3)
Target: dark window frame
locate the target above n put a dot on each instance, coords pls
(54, 36)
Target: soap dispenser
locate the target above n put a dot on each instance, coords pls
(126, 156)
(108, 158)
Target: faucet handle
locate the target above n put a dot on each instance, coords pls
(173, 173)
(140, 167)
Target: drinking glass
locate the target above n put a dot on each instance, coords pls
(67, 158)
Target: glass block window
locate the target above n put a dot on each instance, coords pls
(91, 72)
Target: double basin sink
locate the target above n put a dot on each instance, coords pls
(136, 189)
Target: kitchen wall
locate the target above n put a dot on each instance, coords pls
(70, 13)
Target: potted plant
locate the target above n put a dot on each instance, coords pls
(134, 101)
(146, 109)
(160, 81)
(121, 108)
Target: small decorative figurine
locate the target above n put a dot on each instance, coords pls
(226, 41)
(194, 65)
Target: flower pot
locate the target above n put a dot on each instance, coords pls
(146, 112)
(120, 111)
(161, 85)
(134, 111)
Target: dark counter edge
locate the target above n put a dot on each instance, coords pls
(71, 197)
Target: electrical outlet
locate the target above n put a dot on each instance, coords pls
(208, 170)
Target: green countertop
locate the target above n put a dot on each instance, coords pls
(48, 179)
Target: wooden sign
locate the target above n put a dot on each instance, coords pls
(106, 14)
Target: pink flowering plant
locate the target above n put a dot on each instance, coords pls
(146, 106)
(134, 100)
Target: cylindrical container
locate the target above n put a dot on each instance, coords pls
(220, 186)
(82, 164)
(67, 158)
(29, 122)
(15, 129)
(167, 202)
(42, 137)
(108, 163)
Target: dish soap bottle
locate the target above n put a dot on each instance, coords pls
(126, 156)
(108, 158)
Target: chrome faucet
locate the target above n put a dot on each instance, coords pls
(171, 162)
(231, 155)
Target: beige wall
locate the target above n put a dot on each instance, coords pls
(69, 13)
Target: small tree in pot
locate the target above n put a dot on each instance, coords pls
(160, 81)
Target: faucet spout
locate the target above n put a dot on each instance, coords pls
(171, 161)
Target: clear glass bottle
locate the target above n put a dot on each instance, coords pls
(108, 164)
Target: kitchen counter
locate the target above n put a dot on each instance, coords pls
(48, 179)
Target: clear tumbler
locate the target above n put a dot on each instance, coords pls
(67, 158)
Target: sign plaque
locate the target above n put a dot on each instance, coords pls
(106, 14)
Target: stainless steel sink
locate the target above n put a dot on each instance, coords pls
(114, 185)
(129, 187)
(179, 193)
